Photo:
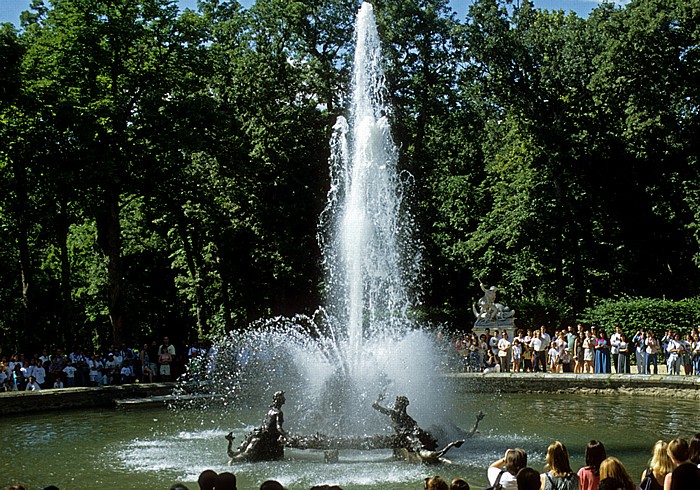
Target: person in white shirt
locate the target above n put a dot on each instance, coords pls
(545, 336)
(674, 349)
(539, 351)
(615, 346)
(32, 385)
(517, 352)
(95, 370)
(504, 352)
(652, 350)
(507, 468)
(70, 374)
(493, 343)
(40, 375)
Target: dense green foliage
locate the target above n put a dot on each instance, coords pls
(634, 314)
(163, 171)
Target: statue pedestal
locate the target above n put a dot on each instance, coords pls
(508, 325)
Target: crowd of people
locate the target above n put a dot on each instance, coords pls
(579, 350)
(152, 361)
(673, 466)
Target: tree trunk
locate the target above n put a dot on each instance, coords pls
(25, 265)
(109, 239)
(66, 299)
(190, 258)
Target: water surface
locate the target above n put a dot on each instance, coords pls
(153, 448)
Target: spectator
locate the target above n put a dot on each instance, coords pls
(40, 374)
(673, 349)
(206, 479)
(166, 355)
(652, 351)
(615, 340)
(560, 476)
(225, 481)
(69, 372)
(589, 475)
(612, 468)
(539, 351)
(578, 352)
(694, 449)
(504, 352)
(505, 469)
(127, 373)
(610, 483)
(271, 485)
(148, 369)
(685, 475)
(459, 484)
(95, 367)
(436, 483)
(32, 385)
(659, 466)
(588, 351)
(623, 359)
(517, 351)
(602, 353)
(528, 479)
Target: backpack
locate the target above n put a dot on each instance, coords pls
(648, 481)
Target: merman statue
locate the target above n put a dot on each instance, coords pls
(266, 443)
(414, 443)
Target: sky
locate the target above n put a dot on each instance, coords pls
(10, 9)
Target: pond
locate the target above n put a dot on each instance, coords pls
(153, 448)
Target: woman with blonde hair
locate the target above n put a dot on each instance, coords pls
(659, 466)
(560, 475)
(613, 468)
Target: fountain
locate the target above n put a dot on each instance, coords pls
(363, 342)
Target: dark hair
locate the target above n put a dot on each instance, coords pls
(436, 483)
(459, 484)
(528, 479)
(516, 459)
(206, 479)
(694, 444)
(179, 486)
(225, 481)
(678, 449)
(595, 454)
(610, 483)
(271, 485)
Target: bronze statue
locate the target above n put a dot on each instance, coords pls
(410, 442)
(266, 443)
(414, 443)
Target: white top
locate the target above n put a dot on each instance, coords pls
(503, 346)
(507, 480)
(33, 386)
(615, 340)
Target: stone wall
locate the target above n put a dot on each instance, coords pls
(654, 385)
(23, 402)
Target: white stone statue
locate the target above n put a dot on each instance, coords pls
(487, 310)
